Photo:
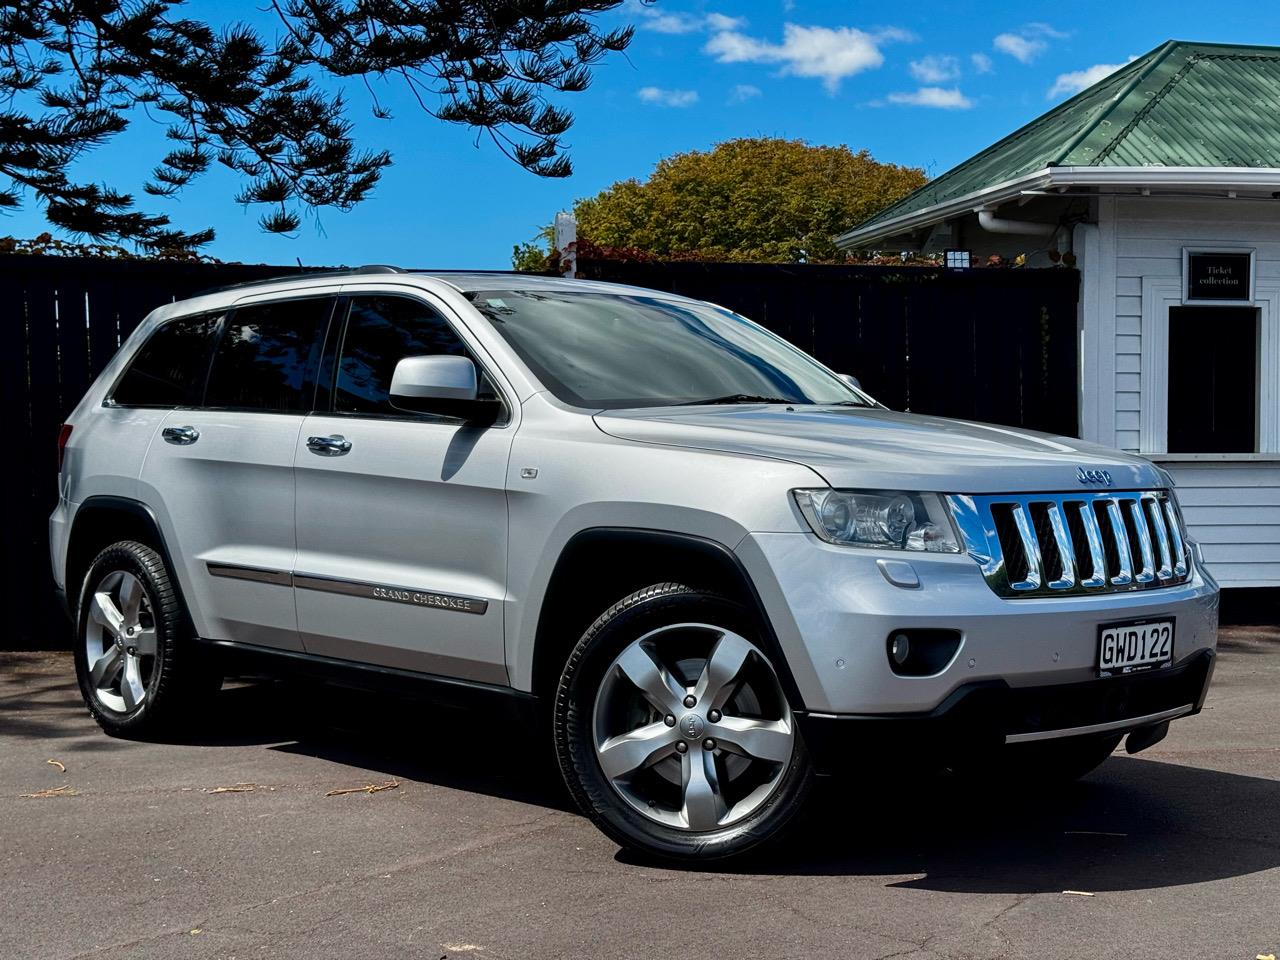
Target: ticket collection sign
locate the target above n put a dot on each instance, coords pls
(1219, 277)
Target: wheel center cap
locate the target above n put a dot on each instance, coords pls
(692, 726)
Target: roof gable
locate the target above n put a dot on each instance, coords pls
(1151, 112)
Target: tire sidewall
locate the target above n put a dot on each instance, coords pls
(575, 739)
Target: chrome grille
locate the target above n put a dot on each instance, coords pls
(1052, 544)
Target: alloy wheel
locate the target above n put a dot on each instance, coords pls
(691, 727)
(120, 642)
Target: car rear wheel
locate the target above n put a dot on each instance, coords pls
(673, 731)
(136, 660)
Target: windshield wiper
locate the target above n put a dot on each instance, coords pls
(734, 398)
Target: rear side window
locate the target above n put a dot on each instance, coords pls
(170, 368)
(381, 331)
(268, 357)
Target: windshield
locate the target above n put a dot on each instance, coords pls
(612, 351)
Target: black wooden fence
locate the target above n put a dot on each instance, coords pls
(994, 345)
(61, 319)
(989, 345)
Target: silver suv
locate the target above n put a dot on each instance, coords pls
(706, 565)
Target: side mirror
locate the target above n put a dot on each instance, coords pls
(444, 385)
(433, 378)
(851, 380)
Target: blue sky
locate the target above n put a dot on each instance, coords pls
(926, 84)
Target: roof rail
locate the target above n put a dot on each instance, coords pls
(347, 272)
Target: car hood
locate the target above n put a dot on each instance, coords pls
(881, 449)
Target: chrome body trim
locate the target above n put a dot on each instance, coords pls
(394, 594)
(256, 574)
(353, 588)
(1123, 541)
(1130, 724)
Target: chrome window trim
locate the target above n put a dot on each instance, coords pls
(1163, 559)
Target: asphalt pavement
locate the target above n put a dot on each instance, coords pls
(230, 844)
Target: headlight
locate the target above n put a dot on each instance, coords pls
(888, 519)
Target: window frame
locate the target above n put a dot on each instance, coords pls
(228, 317)
(1158, 295)
(330, 365)
(109, 400)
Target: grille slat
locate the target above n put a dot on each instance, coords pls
(1054, 544)
(1155, 517)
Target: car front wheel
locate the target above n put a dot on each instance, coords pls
(673, 731)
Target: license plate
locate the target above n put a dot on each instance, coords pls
(1137, 645)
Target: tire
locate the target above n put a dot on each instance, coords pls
(683, 782)
(139, 669)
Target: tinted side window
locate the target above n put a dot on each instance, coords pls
(381, 331)
(268, 356)
(170, 368)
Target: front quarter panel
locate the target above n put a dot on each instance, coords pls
(586, 479)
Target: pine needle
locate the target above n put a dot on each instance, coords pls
(367, 788)
(238, 788)
(66, 790)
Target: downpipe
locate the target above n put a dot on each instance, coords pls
(989, 222)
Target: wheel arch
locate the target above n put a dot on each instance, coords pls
(103, 520)
(601, 565)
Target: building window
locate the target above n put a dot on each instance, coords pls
(1213, 380)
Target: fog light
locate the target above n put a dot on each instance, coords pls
(900, 649)
(921, 652)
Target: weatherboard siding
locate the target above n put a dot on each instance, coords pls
(1232, 508)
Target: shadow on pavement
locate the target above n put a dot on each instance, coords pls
(1132, 824)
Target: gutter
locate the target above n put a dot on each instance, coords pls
(1266, 179)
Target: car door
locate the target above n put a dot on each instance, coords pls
(402, 517)
(221, 473)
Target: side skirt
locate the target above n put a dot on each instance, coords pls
(245, 658)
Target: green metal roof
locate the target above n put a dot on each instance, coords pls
(1181, 105)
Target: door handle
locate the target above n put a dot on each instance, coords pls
(182, 436)
(334, 446)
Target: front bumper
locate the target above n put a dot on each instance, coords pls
(985, 715)
(833, 610)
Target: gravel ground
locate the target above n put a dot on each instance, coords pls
(475, 852)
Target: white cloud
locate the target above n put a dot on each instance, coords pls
(822, 52)
(661, 21)
(981, 63)
(1028, 42)
(1077, 80)
(719, 22)
(743, 92)
(1020, 48)
(938, 97)
(667, 98)
(935, 68)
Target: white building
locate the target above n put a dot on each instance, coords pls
(1163, 183)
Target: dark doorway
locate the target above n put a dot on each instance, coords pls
(1213, 379)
